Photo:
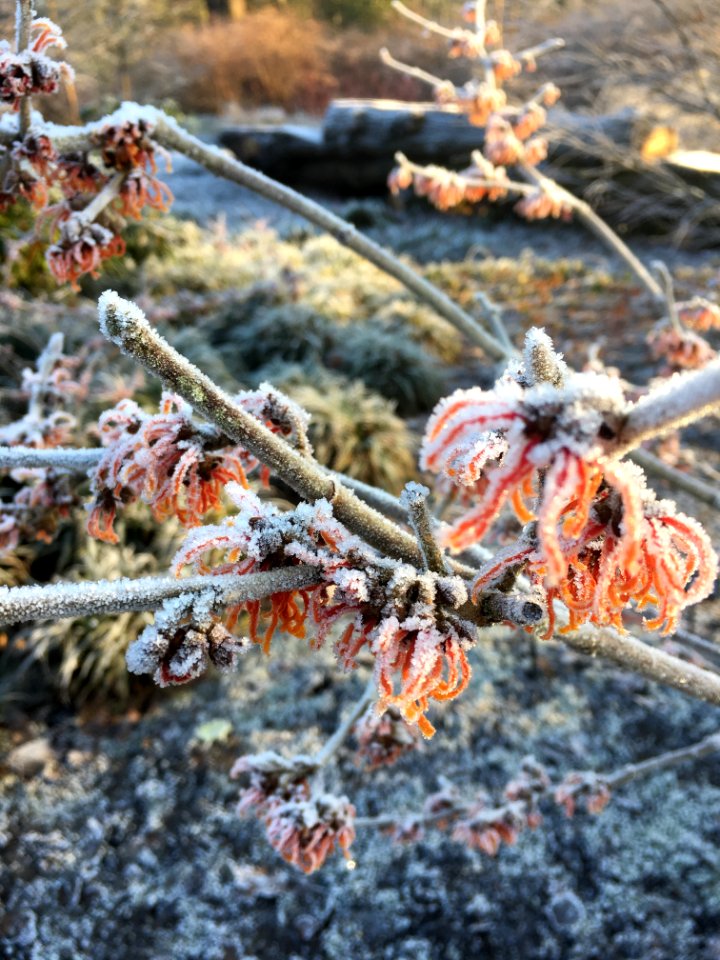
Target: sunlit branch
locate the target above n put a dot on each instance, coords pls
(685, 398)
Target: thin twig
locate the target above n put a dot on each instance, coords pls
(54, 458)
(173, 137)
(633, 771)
(416, 72)
(662, 271)
(60, 601)
(598, 226)
(414, 498)
(430, 25)
(683, 481)
(23, 22)
(331, 747)
(618, 778)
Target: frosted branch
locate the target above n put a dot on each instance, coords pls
(632, 654)
(54, 458)
(684, 399)
(126, 325)
(633, 771)
(414, 498)
(410, 71)
(343, 731)
(97, 598)
(430, 25)
(173, 137)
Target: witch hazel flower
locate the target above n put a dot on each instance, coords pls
(582, 785)
(596, 537)
(304, 825)
(30, 71)
(305, 832)
(81, 248)
(176, 466)
(384, 738)
(272, 779)
(678, 348)
(185, 637)
(406, 619)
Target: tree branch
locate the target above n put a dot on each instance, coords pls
(63, 600)
(684, 399)
(126, 325)
(173, 137)
(23, 22)
(54, 458)
(632, 654)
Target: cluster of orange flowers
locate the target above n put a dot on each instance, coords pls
(27, 72)
(176, 466)
(303, 825)
(446, 189)
(485, 826)
(82, 241)
(596, 538)
(395, 612)
(509, 132)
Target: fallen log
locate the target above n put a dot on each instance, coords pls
(614, 161)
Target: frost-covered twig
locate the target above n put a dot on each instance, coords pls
(23, 21)
(632, 654)
(55, 458)
(170, 135)
(684, 399)
(331, 747)
(414, 498)
(601, 230)
(687, 482)
(451, 808)
(126, 325)
(408, 69)
(63, 600)
(430, 25)
(633, 771)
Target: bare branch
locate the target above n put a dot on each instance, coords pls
(54, 458)
(633, 771)
(63, 600)
(601, 229)
(416, 72)
(632, 654)
(323, 756)
(430, 25)
(684, 399)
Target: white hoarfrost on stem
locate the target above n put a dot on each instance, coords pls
(62, 600)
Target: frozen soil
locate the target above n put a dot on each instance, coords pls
(119, 834)
(127, 843)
